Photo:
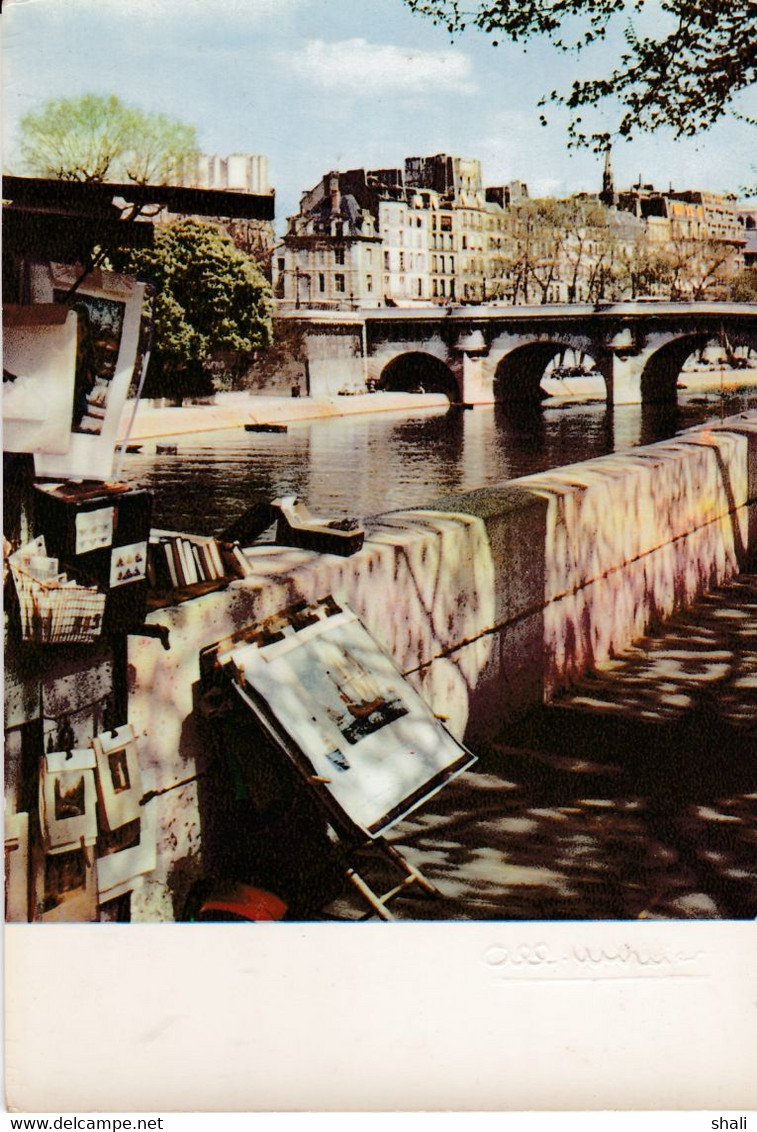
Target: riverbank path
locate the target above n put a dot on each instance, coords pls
(632, 797)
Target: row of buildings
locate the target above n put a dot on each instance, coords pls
(432, 232)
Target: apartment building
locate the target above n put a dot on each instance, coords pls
(434, 224)
(431, 232)
(236, 173)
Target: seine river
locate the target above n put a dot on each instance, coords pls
(361, 465)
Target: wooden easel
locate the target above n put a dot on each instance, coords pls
(356, 844)
(378, 903)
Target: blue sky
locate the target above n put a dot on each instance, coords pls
(323, 84)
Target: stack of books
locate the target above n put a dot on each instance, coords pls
(177, 561)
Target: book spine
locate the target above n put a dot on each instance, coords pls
(209, 565)
(216, 556)
(197, 562)
(242, 562)
(175, 565)
(190, 575)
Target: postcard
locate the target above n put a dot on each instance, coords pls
(459, 817)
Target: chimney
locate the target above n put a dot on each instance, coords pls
(336, 196)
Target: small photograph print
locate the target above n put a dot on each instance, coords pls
(94, 529)
(119, 771)
(128, 564)
(99, 341)
(64, 872)
(70, 800)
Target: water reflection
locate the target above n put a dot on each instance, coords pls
(359, 466)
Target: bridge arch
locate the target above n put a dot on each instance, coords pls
(662, 368)
(416, 371)
(519, 373)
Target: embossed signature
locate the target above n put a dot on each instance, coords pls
(579, 960)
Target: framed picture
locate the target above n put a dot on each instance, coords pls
(121, 868)
(109, 312)
(68, 799)
(119, 781)
(94, 529)
(66, 886)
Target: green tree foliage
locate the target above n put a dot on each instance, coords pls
(683, 64)
(212, 302)
(578, 244)
(578, 250)
(92, 138)
(744, 286)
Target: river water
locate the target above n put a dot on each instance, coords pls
(362, 465)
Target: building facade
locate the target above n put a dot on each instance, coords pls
(433, 233)
(439, 236)
(236, 173)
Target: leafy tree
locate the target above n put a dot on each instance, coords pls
(648, 270)
(701, 269)
(576, 248)
(212, 300)
(744, 286)
(684, 61)
(93, 138)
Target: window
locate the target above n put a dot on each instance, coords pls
(369, 284)
(321, 281)
(386, 261)
(369, 255)
(339, 255)
(339, 283)
(282, 264)
(446, 223)
(402, 261)
(419, 285)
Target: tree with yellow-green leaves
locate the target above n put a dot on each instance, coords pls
(96, 138)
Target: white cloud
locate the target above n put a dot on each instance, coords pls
(359, 67)
(548, 187)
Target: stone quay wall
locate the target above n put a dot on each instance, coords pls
(490, 602)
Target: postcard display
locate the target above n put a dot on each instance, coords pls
(338, 708)
(101, 531)
(92, 843)
(109, 340)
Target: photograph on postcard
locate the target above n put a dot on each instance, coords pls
(380, 472)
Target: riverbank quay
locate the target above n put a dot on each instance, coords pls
(491, 603)
(632, 796)
(235, 410)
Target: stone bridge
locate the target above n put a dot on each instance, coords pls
(477, 355)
